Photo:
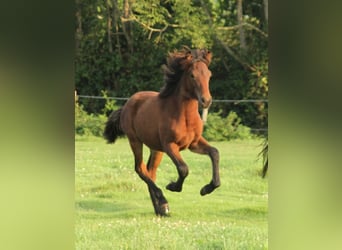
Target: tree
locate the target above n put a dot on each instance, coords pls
(121, 45)
(240, 22)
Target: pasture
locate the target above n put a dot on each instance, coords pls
(114, 210)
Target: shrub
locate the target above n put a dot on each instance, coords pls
(92, 124)
(88, 124)
(217, 128)
(227, 128)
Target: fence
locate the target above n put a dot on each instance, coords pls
(214, 100)
(235, 101)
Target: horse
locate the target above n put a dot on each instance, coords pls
(168, 122)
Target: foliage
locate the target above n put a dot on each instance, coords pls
(224, 129)
(121, 45)
(110, 104)
(88, 124)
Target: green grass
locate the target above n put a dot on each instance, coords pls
(114, 211)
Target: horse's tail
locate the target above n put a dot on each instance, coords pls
(264, 154)
(113, 129)
(264, 169)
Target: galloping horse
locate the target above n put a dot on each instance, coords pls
(168, 122)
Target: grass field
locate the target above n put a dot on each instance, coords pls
(114, 211)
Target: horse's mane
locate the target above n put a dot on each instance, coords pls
(177, 63)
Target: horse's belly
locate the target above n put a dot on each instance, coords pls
(150, 139)
(146, 126)
(155, 136)
(185, 141)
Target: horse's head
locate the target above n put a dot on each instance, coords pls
(187, 70)
(199, 75)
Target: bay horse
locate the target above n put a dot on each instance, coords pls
(169, 122)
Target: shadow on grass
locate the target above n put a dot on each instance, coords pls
(113, 209)
(101, 206)
(247, 212)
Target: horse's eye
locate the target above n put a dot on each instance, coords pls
(192, 76)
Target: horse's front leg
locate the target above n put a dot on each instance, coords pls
(172, 150)
(203, 147)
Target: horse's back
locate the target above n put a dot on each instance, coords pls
(142, 96)
(141, 101)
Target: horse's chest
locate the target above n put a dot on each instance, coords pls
(191, 132)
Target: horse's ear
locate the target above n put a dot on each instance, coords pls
(207, 56)
(186, 49)
(189, 57)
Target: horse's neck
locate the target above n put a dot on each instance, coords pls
(190, 105)
(184, 107)
(182, 102)
(185, 100)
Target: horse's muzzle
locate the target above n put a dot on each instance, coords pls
(205, 102)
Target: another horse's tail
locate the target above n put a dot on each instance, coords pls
(113, 129)
(265, 168)
(264, 153)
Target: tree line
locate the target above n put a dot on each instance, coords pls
(122, 44)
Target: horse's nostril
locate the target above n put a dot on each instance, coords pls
(205, 101)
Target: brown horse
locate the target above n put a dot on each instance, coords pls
(168, 122)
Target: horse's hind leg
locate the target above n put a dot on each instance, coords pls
(202, 147)
(159, 202)
(153, 163)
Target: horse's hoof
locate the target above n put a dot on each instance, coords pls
(174, 187)
(164, 210)
(207, 189)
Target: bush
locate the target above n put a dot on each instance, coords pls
(88, 124)
(216, 128)
(93, 124)
(223, 129)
